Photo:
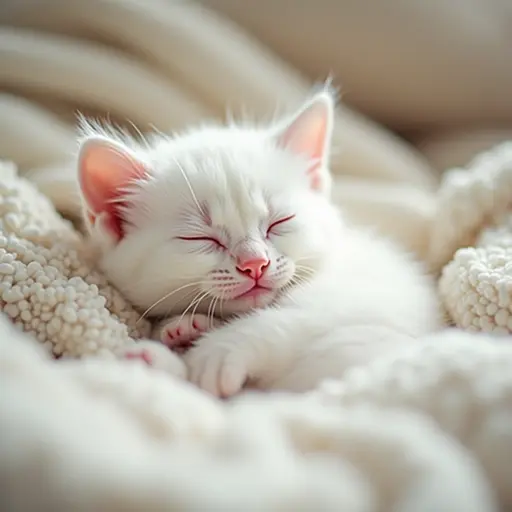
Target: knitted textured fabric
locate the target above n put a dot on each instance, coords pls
(47, 286)
(474, 225)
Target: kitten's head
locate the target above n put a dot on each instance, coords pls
(221, 217)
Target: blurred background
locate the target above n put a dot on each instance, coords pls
(424, 86)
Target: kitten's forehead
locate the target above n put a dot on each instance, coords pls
(237, 208)
(232, 191)
(236, 177)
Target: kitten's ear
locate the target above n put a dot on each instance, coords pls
(106, 171)
(309, 134)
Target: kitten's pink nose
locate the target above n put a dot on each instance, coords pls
(254, 268)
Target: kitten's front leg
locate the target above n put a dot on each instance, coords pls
(155, 355)
(258, 347)
(176, 335)
(179, 332)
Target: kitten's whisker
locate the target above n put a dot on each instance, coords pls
(211, 308)
(208, 309)
(306, 270)
(197, 304)
(304, 267)
(189, 185)
(198, 297)
(208, 312)
(299, 280)
(222, 293)
(169, 311)
(194, 302)
(165, 297)
(304, 276)
(161, 278)
(216, 300)
(286, 290)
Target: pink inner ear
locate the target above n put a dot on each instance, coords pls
(309, 134)
(306, 136)
(106, 169)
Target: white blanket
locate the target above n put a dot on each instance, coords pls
(428, 430)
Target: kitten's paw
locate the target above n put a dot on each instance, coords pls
(180, 332)
(155, 355)
(220, 369)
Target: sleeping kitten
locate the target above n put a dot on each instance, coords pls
(236, 223)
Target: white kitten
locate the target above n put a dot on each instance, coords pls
(237, 221)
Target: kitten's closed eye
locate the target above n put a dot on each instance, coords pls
(203, 239)
(273, 228)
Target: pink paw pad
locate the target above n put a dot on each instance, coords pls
(174, 333)
(143, 355)
(181, 335)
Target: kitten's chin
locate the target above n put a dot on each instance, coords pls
(248, 302)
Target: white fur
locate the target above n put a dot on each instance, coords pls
(340, 296)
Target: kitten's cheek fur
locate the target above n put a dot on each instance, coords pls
(103, 228)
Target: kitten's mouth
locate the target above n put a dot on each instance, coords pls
(183, 347)
(256, 291)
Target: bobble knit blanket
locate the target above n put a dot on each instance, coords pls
(427, 429)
